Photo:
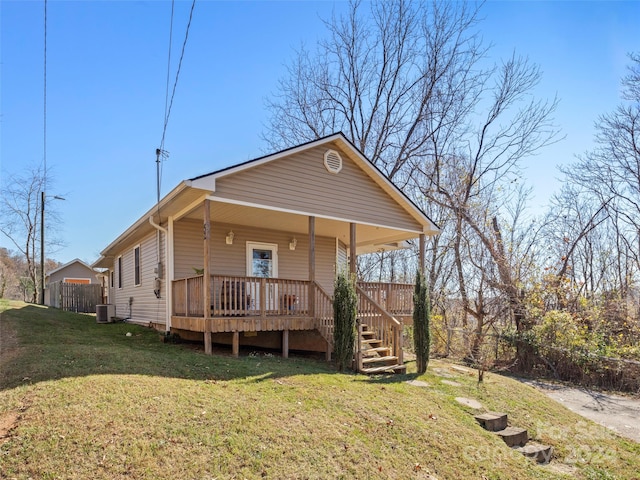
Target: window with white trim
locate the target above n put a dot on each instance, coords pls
(136, 266)
(120, 272)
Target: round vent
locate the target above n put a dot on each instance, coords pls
(332, 161)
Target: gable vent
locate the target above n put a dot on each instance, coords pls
(332, 161)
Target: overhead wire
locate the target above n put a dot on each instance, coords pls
(175, 83)
(161, 153)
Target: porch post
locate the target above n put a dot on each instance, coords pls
(352, 271)
(352, 249)
(169, 271)
(235, 344)
(312, 266)
(423, 243)
(206, 281)
(285, 344)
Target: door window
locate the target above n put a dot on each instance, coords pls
(262, 260)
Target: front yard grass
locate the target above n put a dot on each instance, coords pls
(80, 400)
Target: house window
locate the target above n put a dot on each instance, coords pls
(136, 265)
(119, 272)
(112, 278)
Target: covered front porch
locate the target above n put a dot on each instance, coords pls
(237, 304)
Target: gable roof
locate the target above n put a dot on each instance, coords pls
(207, 181)
(75, 260)
(197, 188)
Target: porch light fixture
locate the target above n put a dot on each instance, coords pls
(293, 243)
(229, 238)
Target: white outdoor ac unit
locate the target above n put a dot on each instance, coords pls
(105, 313)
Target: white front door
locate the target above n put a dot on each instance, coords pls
(262, 261)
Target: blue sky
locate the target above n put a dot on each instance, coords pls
(106, 79)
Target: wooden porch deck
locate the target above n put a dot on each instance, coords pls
(253, 304)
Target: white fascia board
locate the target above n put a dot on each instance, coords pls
(205, 183)
(276, 156)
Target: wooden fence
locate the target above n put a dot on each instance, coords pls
(74, 297)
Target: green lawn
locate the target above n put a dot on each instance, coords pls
(80, 400)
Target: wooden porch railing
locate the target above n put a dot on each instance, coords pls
(387, 328)
(395, 298)
(188, 296)
(241, 296)
(268, 297)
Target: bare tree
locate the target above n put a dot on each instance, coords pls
(410, 85)
(610, 172)
(20, 215)
(386, 78)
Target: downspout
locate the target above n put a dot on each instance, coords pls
(166, 259)
(162, 229)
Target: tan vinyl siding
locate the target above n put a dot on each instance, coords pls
(302, 183)
(146, 308)
(343, 257)
(187, 248)
(231, 259)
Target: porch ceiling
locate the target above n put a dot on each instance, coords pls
(372, 237)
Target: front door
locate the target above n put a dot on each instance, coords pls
(262, 262)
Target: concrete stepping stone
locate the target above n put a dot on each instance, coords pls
(417, 383)
(514, 436)
(451, 383)
(492, 421)
(539, 453)
(462, 370)
(469, 402)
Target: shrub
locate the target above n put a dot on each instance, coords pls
(344, 314)
(421, 314)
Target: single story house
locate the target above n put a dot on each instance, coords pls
(248, 255)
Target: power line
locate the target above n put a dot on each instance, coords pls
(162, 154)
(166, 95)
(175, 83)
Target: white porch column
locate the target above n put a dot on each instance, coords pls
(206, 281)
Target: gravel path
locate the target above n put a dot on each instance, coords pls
(620, 414)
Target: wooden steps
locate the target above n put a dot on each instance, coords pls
(494, 422)
(514, 437)
(385, 369)
(374, 356)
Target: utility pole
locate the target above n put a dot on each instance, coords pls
(42, 248)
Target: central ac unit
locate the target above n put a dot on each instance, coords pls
(105, 313)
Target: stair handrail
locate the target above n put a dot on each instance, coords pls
(324, 320)
(394, 323)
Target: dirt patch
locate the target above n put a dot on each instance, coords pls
(8, 340)
(8, 422)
